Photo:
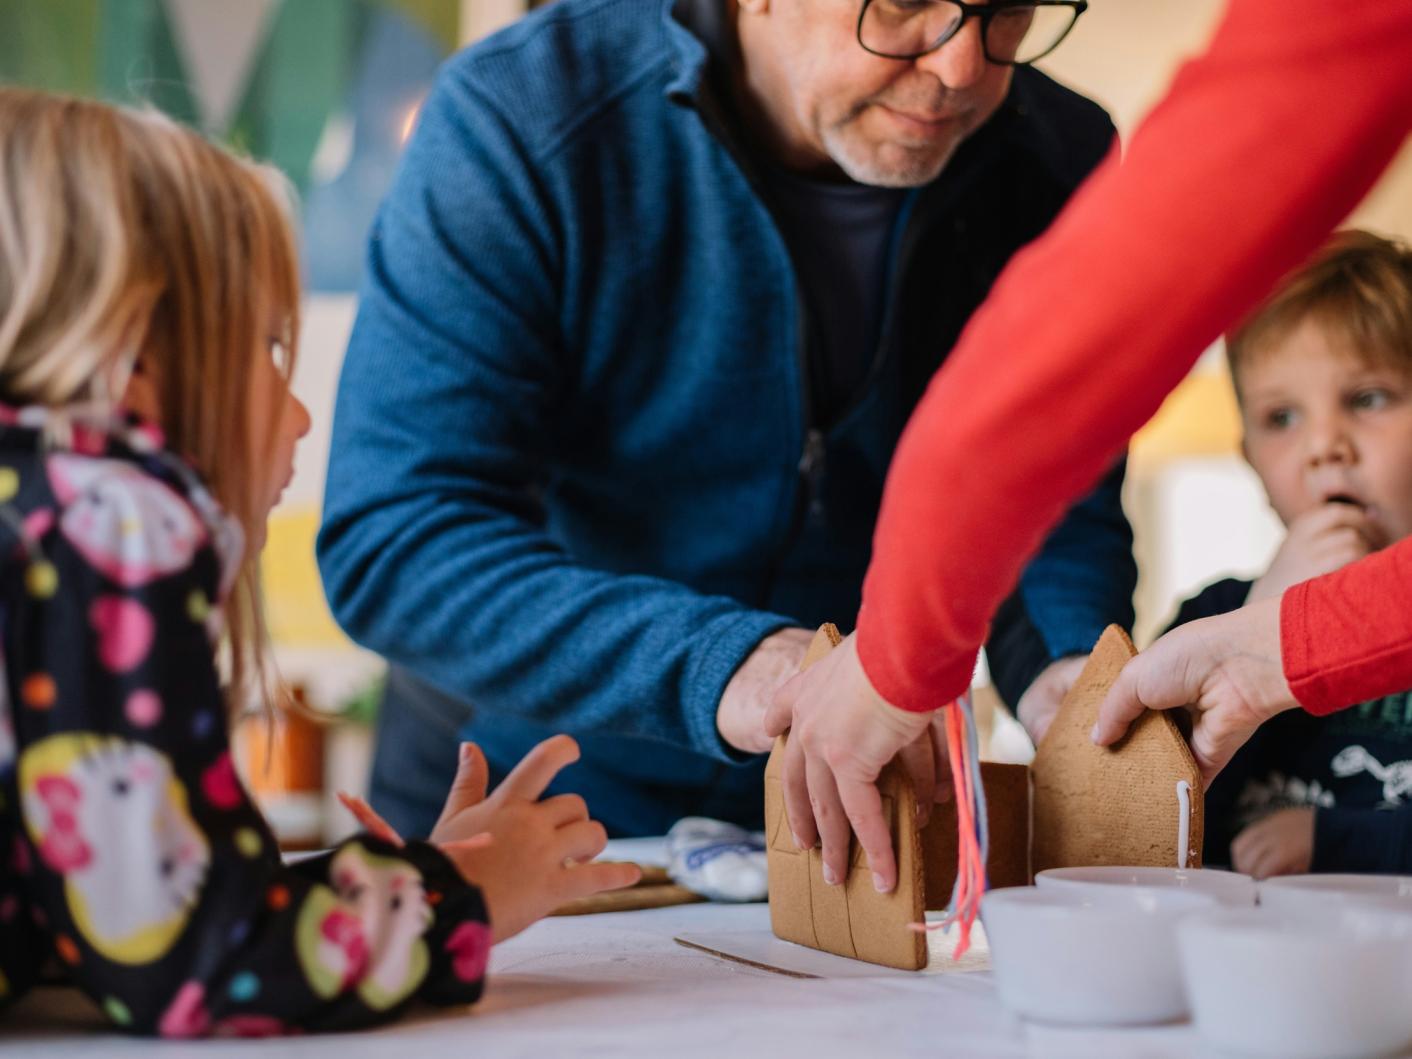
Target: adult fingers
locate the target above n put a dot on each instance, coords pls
(1122, 705)
(779, 714)
(832, 821)
(582, 840)
(539, 767)
(794, 782)
(1167, 675)
(564, 809)
(863, 805)
(1215, 738)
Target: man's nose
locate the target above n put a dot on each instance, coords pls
(961, 61)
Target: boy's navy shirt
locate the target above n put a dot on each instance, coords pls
(1354, 768)
(578, 469)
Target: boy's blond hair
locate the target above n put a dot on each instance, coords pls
(1357, 289)
(122, 233)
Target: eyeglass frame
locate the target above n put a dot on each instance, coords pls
(984, 12)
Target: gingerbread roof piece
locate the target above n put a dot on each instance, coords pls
(1138, 802)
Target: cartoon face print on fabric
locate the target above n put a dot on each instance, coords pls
(367, 929)
(130, 526)
(113, 819)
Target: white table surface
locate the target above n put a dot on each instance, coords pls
(618, 985)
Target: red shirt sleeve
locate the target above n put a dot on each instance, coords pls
(1346, 637)
(1262, 146)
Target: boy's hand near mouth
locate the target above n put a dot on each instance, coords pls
(1320, 541)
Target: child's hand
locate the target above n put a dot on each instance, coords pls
(1279, 844)
(534, 861)
(1320, 541)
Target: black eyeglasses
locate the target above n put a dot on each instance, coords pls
(1012, 34)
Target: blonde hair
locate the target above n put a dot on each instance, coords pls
(123, 233)
(1357, 289)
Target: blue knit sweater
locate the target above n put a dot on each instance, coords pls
(575, 475)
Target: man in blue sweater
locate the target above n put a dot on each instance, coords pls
(655, 290)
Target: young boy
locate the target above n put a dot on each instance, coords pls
(1323, 375)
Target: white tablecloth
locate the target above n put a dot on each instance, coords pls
(617, 985)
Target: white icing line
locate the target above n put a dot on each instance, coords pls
(1183, 821)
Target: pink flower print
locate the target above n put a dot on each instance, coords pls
(469, 947)
(143, 708)
(37, 523)
(62, 847)
(220, 785)
(129, 526)
(345, 930)
(186, 1016)
(125, 631)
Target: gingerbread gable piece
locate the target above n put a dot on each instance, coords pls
(1117, 805)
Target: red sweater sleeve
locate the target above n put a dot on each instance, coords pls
(1347, 637)
(1261, 147)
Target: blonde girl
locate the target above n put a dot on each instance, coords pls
(148, 321)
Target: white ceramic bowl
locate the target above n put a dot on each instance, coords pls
(1266, 983)
(1227, 887)
(1095, 956)
(1310, 896)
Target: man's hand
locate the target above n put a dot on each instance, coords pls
(1226, 669)
(1279, 844)
(841, 735)
(1320, 541)
(740, 716)
(1042, 699)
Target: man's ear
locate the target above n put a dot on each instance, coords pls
(753, 7)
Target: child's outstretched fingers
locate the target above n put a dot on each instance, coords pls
(582, 840)
(585, 880)
(565, 809)
(369, 820)
(539, 767)
(464, 845)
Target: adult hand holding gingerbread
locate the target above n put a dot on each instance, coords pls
(842, 734)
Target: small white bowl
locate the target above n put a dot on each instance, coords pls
(1311, 896)
(1227, 887)
(1094, 956)
(1267, 983)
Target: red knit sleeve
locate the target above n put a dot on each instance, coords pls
(1261, 147)
(1346, 637)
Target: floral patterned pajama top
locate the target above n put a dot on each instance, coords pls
(130, 856)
